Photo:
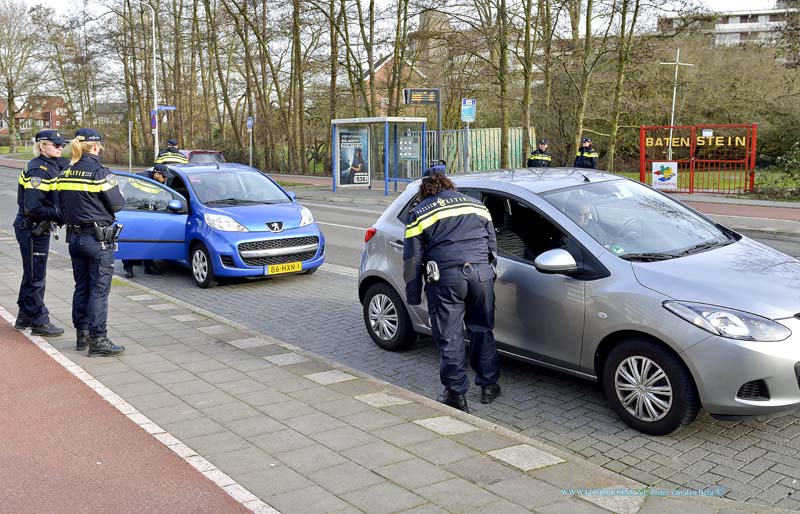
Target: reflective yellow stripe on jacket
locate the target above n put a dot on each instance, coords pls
(450, 211)
(81, 184)
(45, 185)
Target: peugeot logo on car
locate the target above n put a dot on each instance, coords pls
(275, 226)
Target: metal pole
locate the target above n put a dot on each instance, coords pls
(466, 149)
(251, 147)
(386, 158)
(438, 123)
(677, 63)
(130, 147)
(155, 89)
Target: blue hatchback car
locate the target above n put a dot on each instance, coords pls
(226, 220)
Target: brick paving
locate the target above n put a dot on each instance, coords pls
(311, 436)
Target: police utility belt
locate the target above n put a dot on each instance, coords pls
(432, 272)
(37, 228)
(102, 233)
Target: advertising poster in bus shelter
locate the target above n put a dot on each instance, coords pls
(354, 157)
(665, 175)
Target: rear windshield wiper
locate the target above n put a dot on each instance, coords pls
(647, 257)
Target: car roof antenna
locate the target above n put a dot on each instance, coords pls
(585, 178)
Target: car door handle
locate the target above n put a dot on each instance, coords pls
(396, 244)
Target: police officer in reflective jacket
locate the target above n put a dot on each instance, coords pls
(89, 197)
(540, 158)
(171, 154)
(451, 240)
(586, 157)
(39, 208)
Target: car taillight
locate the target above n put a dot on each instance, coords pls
(371, 231)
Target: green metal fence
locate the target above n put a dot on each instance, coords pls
(484, 148)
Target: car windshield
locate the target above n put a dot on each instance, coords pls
(637, 223)
(235, 187)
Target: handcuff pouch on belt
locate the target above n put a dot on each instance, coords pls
(432, 271)
(40, 228)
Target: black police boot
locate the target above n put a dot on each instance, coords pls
(82, 342)
(22, 323)
(128, 272)
(102, 346)
(47, 330)
(152, 270)
(453, 399)
(490, 393)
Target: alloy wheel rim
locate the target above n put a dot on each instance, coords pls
(199, 266)
(643, 388)
(383, 317)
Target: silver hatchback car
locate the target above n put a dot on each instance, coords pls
(607, 279)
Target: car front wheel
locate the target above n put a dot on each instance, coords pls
(386, 318)
(202, 268)
(649, 387)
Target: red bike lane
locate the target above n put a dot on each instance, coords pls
(65, 449)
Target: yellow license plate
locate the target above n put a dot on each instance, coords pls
(289, 267)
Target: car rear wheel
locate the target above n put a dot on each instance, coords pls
(386, 318)
(650, 388)
(202, 269)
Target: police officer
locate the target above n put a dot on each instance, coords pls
(540, 158)
(39, 208)
(586, 157)
(89, 197)
(159, 174)
(171, 154)
(450, 238)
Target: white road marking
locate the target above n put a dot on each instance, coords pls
(341, 226)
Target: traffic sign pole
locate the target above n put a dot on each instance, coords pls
(250, 131)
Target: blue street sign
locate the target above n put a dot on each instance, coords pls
(152, 113)
(249, 122)
(152, 119)
(166, 108)
(468, 108)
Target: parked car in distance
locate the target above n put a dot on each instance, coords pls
(226, 220)
(204, 156)
(609, 280)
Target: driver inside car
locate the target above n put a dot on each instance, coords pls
(579, 209)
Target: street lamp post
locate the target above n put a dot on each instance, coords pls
(155, 90)
(677, 64)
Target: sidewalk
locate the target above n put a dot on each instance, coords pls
(270, 422)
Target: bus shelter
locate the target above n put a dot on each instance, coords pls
(367, 151)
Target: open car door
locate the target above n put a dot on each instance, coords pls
(154, 220)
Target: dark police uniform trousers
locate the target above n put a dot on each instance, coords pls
(37, 199)
(457, 233)
(464, 295)
(89, 195)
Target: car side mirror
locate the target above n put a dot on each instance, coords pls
(292, 195)
(555, 262)
(174, 206)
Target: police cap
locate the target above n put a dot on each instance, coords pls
(172, 142)
(161, 168)
(586, 140)
(436, 169)
(543, 141)
(88, 135)
(50, 135)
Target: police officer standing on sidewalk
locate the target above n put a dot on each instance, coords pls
(586, 156)
(39, 208)
(450, 238)
(89, 197)
(540, 158)
(171, 154)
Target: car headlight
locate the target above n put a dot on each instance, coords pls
(306, 218)
(729, 323)
(223, 223)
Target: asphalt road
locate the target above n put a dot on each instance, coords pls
(757, 461)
